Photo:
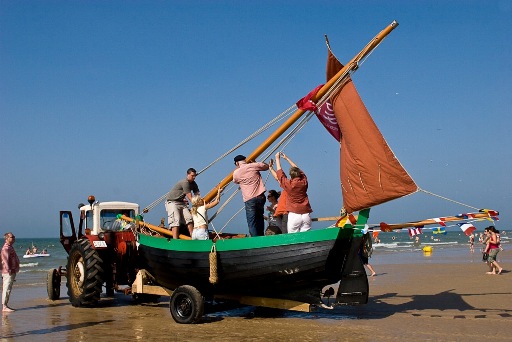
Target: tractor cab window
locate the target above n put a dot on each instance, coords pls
(89, 223)
(109, 221)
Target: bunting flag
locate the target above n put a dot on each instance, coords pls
(467, 228)
(492, 214)
(414, 231)
(439, 230)
(347, 219)
(440, 220)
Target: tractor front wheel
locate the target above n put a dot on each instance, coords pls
(53, 284)
(84, 274)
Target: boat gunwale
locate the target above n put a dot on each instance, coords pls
(233, 244)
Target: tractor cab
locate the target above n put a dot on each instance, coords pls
(96, 219)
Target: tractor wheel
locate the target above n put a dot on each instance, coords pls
(186, 305)
(53, 284)
(84, 274)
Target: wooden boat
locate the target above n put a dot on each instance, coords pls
(292, 266)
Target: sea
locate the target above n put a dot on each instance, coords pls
(393, 248)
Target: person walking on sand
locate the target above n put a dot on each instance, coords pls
(366, 251)
(177, 201)
(10, 266)
(248, 177)
(492, 248)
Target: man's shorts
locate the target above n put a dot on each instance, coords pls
(177, 213)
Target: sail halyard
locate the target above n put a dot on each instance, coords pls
(341, 74)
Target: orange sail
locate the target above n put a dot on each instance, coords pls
(370, 173)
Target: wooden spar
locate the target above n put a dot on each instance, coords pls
(390, 227)
(160, 230)
(352, 65)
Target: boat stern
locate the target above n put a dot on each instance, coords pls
(353, 288)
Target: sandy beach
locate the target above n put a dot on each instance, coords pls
(453, 301)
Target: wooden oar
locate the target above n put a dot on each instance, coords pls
(486, 214)
(160, 230)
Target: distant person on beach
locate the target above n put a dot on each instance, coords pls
(297, 201)
(10, 266)
(200, 215)
(472, 243)
(365, 252)
(416, 240)
(274, 222)
(177, 201)
(248, 177)
(492, 250)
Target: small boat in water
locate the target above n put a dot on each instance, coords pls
(36, 255)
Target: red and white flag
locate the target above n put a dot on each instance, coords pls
(325, 113)
(414, 231)
(467, 228)
(326, 116)
(440, 220)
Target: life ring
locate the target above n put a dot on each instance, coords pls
(427, 249)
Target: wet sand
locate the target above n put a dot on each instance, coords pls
(425, 302)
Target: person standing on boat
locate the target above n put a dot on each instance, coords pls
(10, 266)
(274, 222)
(200, 215)
(177, 201)
(248, 177)
(297, 201)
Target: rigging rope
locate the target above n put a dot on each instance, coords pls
(447, 199)
(280, 117)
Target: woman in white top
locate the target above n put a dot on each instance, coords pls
(200, 216)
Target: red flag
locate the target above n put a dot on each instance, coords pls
(326, 116)
(325, 113)
(306, 103)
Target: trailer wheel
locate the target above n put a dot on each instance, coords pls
(186, 305)
(84, 274)
(53, 284)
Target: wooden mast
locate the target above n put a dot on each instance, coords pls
(352, 65)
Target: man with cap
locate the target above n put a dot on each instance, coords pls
(248, 177)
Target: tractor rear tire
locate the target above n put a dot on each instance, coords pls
(186, 305)
(53, 284)
(84, 274)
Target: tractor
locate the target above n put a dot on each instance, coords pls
(102, 252)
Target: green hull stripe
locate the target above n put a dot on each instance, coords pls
(249, 242)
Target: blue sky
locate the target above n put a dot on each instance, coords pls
(118, 98)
